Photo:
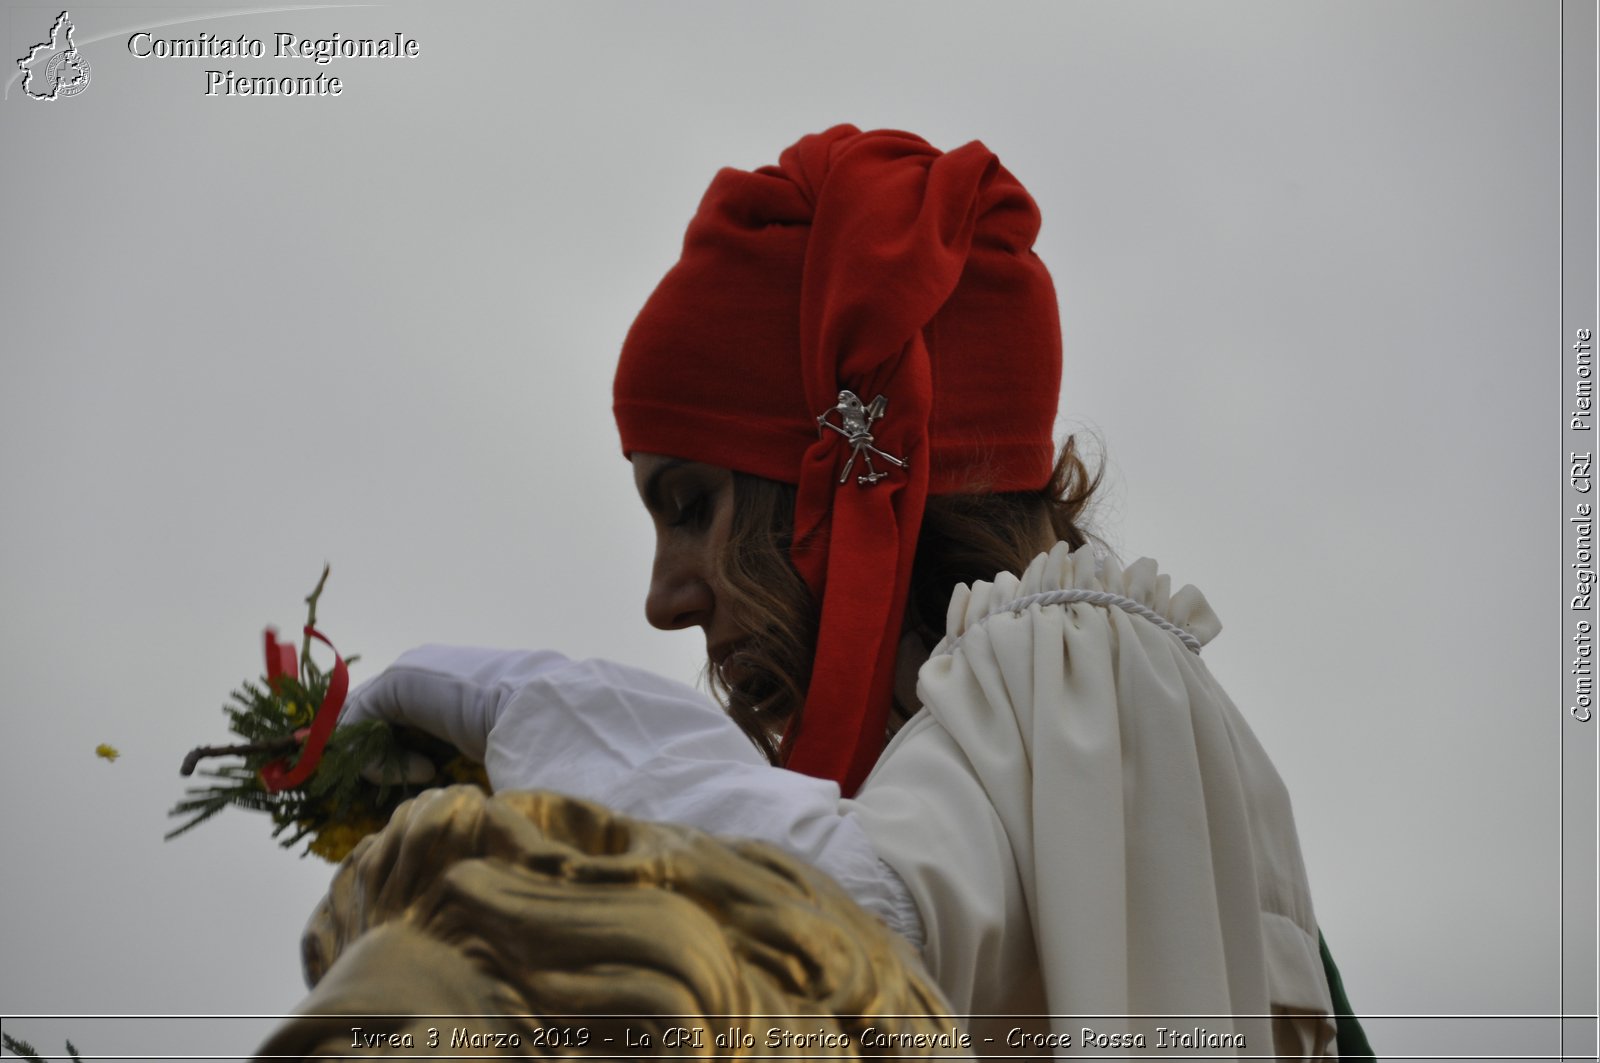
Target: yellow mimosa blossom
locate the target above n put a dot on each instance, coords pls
(107, 752)
(334, 842)
(463, 770)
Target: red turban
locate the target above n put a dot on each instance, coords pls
(870, 263)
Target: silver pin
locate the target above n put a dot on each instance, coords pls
(855, 424)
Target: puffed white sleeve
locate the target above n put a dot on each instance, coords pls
(637, 743)
(1087, 824)
(932, 818)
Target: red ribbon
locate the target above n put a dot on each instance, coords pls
(279, 775)
(281, 660)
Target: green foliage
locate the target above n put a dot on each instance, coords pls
(265, 716)
(336, 792)
(26, 1051)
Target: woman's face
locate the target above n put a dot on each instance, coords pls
(691, 505)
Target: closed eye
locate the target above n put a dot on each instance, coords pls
(692, 513)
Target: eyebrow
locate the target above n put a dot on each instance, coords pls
(652, 483)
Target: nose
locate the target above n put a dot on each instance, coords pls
(680, 595)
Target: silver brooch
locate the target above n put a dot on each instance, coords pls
(855, 424)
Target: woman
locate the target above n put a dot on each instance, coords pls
(838, 406)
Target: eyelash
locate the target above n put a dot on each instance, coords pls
(691, 514)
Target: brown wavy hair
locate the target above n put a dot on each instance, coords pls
(964, 538)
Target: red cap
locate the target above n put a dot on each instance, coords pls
(870, 263)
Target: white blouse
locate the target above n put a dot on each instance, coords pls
(1079, 823)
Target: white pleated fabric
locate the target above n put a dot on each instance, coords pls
(1089, 828)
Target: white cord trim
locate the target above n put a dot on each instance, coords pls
(1017, 606)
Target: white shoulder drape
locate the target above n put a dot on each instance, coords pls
(1089, 827)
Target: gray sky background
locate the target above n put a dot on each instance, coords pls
(1307, 259)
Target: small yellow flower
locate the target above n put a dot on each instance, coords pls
(295, 714)
(462, 770)
(334, 842)
(106, 752)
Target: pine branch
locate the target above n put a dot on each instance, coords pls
(339, 797)
(199, 753)
(21, 1048)
(26, 1051)
(311, 614)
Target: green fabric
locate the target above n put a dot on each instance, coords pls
(1352, 1038)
